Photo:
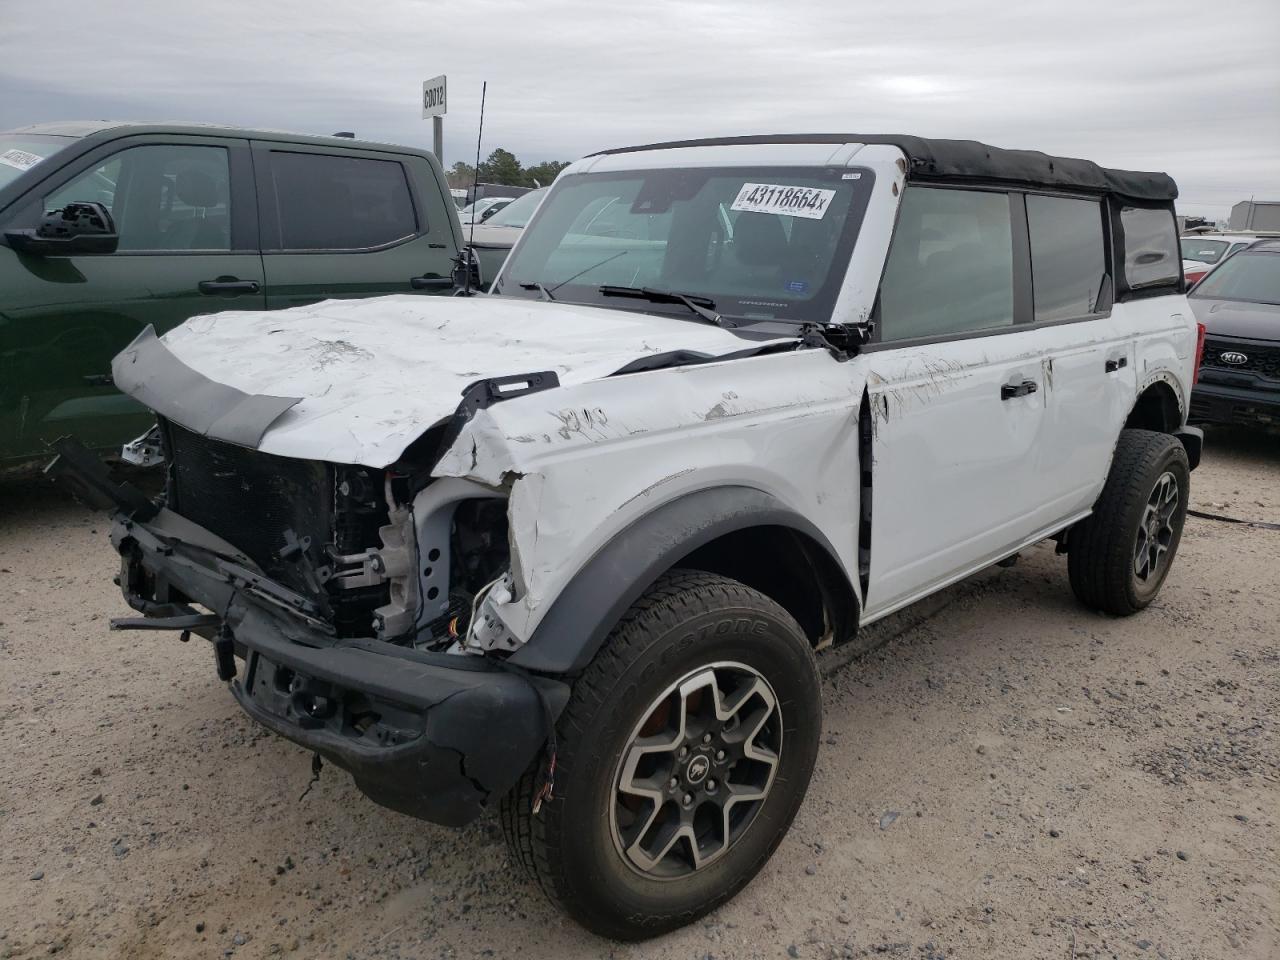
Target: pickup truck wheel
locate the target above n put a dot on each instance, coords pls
(683, 755)
(1118, 557)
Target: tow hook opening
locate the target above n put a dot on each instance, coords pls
(312, 708)
(314, 704)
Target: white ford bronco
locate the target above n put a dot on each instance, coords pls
(565, 552)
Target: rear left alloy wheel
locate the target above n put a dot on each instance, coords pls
(683, 755)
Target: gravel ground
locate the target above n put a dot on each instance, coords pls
(1008, 776)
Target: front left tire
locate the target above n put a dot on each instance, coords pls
(683, 755)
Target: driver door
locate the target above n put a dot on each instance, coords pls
(185, 216)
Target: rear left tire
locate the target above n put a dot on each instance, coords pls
(1119, 556)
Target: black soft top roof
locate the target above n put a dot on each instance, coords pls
(970, 160)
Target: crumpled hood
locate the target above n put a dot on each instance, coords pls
(372, 375)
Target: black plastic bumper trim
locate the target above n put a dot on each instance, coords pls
(1216, 403)
(1192, 440)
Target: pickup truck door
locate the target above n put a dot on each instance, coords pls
(351, 223)
(956, 396)
(185, 214)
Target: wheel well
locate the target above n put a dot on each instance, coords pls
(790, 568)
(1157, 409)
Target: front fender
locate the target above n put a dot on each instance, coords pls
(584, 612)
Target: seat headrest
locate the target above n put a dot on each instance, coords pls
(197, 189)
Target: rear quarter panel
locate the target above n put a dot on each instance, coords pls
(1162, 330)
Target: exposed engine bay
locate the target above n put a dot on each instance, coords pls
(396, 556)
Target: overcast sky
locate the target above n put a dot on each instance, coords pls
(1187, 86)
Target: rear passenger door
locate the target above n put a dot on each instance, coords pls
(357, 223)
(1089, 368)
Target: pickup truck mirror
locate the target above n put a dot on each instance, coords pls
(81, 227)
(464, 261)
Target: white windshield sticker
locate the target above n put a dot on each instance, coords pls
(809, 202)
(20, 159)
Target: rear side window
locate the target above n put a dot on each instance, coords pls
(329, 202)
(950, 266)
(1151, 253)
(1068, 257)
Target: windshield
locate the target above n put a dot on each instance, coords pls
(1206, 251)
(1252, 277)
(19, 152)
(518, 211)
(760, 243)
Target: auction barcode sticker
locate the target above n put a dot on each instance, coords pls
(810, 202)
(20, 159)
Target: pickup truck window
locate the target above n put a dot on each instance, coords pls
(163, 197)
(1068, 255)
(328, 202)
(950, 266)
(1152, 256)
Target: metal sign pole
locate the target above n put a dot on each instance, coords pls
(435, 104)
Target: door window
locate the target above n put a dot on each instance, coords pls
(950, 266)
(1068, 256)
(1151, 253)
(163, 197)
(327, 202)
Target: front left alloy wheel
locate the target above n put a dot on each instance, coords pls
(683, 755)
(697, 770)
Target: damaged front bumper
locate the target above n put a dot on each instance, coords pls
(436, 740)
(432, 735)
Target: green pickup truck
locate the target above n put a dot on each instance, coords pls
(106, 228)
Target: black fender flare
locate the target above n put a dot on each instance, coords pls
(581, 617)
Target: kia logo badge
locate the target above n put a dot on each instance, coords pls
(1234, 358)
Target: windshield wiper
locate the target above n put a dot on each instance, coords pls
(535, 285)
(704, 307)
(549, 294)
